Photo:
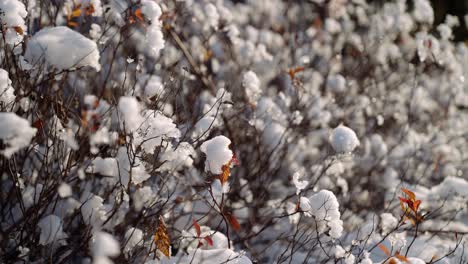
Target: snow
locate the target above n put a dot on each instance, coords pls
(12, 14)
(64, 190)
(217, 153)
(133, 238)
(154, 35)
(15, 132)
(175, 159)
(92, 210)
(150, 9)
(251, 84)
(155, 128)
(300, 185)
(104, 245)
(325, 209)
(336, 83)
(450, 186)
(129, 108)
(128, 165)
(343, 139)
(198, 256)
(212, 15)
(63, 49)
(51, 230)
(423, 11)
(388, 222)
(7, 96)
(105, 167)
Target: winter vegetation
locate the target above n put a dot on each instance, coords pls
(218, 131)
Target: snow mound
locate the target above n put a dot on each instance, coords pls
(217, 153)
(12, 17)
(15, 133)
(104, 245)
(51, 230)
(343, 139)
(198, 256)
(130, 111)
(251, 84)
(62, 48)
(7, 95)
(325, 208)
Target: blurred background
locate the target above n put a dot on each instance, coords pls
(458, 8)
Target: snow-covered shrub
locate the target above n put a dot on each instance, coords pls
(216, 131)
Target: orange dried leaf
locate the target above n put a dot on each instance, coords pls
(18, 30)
(292, 72)
(89, 10)
(224, 176)
(197, 227)
(401, 257)
(76, 12)
(410, 194)
(72, 24)
(139, 15)
(416, 204)
(384, 249)
(233, 221)
(161, 238)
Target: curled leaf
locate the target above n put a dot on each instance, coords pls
(197, 227)
(233, 221)
(161, 238)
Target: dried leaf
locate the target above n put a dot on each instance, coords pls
(72, 24)
(39, 124)
(139, 15)
(209, 240)
(233, 221)
(384, 249)
(235, 160)
(197, 227)
(401, 257)
(18, 30)
(161, 238)
(224, 176)
(410, 194)
(76, 12)
(89, 10)
(292, 72)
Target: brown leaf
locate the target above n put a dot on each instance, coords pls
(197, 227)
(292, 72)
(161, 238)
(18, 30)
(39, 124)
(401, 257)
(89, 10)
(72, 24)
(233, 221)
